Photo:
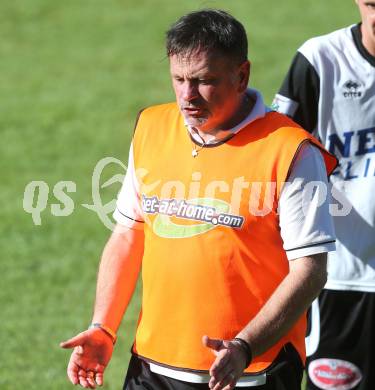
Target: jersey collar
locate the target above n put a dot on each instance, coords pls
(357, 37)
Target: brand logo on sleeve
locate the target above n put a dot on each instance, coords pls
(334, 374)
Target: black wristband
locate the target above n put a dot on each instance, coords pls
(246, 348)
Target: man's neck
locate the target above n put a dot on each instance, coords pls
(246, 106)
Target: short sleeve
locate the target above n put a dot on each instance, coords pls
(298, 96)
(306, 225)
(128, 210)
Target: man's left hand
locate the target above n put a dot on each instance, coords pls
(229, 364)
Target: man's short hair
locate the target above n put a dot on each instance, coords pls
(208, 30)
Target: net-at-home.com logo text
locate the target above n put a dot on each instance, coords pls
(207, 212)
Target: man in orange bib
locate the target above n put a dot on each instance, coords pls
(225, 208)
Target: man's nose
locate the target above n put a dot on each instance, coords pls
(189, 91)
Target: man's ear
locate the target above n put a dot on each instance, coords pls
(244, 75)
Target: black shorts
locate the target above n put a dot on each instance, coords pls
(341, 341)
(285, 374)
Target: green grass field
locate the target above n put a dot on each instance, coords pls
(73, 76)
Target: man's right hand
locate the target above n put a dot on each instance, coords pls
(92, 351)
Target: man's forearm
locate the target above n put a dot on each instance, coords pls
(117, 276)
(293, 296)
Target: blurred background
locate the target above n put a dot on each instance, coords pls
(73, 76)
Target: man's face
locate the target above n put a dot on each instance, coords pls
(209, 88)
(367, 11)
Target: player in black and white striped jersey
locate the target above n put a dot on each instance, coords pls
(330, 91)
